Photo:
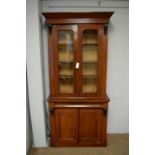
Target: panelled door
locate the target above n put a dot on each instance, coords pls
(92, 126)
(83, 126)
(78, 59)
(66, 126)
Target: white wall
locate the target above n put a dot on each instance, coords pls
(118, 55)
(117, 78)
(118, 72)
(34, 73)
(28, 123)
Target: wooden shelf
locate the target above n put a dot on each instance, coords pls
(90, 61)
(65, 61)
(64, 44)
(90, 76)
(89, 88)
(85, 61)
(66, 72)
(84, 76)
(66, 88)
(66, 77)
(87, 43)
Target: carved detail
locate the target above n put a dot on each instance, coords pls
(105, 111)
(105, 28)
(51, 107)
(50, 28)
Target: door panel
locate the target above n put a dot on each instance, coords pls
(66, 125)
(65, 61)
(89, 36)
(92, 126)
(65, 44)
(89, 61)
(78, 60)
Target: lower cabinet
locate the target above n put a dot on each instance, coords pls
(78, 127)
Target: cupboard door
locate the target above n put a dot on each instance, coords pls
(65, 42)
(90, 57)
(92, 126)
(66, 126)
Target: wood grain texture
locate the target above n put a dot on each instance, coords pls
(78, 99)
(78, 118)
(92, 125)
(53, 106)
(51, 63)
(56, 29)
(81, 15)
(66, 121)
(78, 126)
(72, 17)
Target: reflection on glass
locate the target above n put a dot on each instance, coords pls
(65, 61)
(89, 69)
(89, 85)
(89, 59)
(90, 53)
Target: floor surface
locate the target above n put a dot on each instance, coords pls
(118, 144)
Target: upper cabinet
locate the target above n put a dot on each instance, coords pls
(77, 53)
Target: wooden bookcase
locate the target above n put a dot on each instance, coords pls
(77, 72)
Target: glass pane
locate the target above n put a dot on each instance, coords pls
(65, 61)
(89, 60)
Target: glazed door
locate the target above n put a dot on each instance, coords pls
(79, 59)
(89, 39)
(65, 43)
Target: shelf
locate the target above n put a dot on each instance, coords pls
(90, 81)
(90, 53)
(90, 48)
(89, 84)
(71, 61)
(90, 76)
(65, 51)
(71, 77)
(85, 61)
(86, 44)
(66, 77)
(90, 58)
(65, 72)
(89, 88)
(65, 61)
(66, 88)
(90, 61)
(64, 43)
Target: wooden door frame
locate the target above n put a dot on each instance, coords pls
(96, 27)
(55, 30)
